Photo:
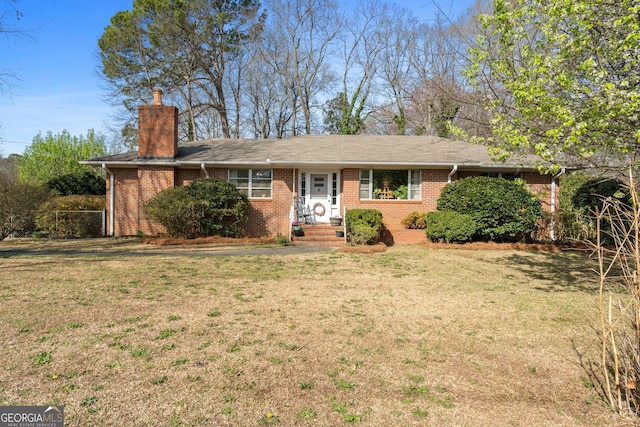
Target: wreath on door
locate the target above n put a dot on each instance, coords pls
(319, 209)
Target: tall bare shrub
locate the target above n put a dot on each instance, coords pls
(619, 301)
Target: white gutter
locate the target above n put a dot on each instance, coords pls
(288, 164)
(204, 169)
(552, 231)
(453, 171)
(111, 200)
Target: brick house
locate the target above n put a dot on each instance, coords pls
(328, 174)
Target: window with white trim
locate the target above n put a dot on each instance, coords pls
(254, 183)
(504, 175)
(390, 184)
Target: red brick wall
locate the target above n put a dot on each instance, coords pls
(393, 211)
(433, 180)
(157, 131)
(540, 185)
(268, 217)
(133, 188)
(152, 180)
(185, 176)
(125, 202)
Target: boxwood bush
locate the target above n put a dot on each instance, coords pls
(415, 221)
(205, 207)
(503, 210)
(450, 227)
(364, 226)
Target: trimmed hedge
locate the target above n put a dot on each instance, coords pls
(71, 224)
(205, 207)
(364, 226)
(503, 210)
(450, 227)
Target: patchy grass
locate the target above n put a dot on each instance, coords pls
(410, 336)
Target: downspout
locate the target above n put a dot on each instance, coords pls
(204, 169)
(453, 171)
(292, 212)
(111, 200)
(552, 231)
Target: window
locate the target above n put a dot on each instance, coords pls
(252, 182)
(334, 189)
(390, 184)
(303, 185)
(504, 175)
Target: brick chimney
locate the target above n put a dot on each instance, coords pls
(157, 129)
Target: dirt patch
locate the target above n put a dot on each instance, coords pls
(212, 240)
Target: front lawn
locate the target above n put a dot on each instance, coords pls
(410, 336)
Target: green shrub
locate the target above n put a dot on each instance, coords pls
(68, 222)
(362, 234)
(589, 199)
(415, 221)
(79, 183)
(570, 222)
(450, 227)
(590, 196)
(364, 226)
(205, 207)
(503, 210)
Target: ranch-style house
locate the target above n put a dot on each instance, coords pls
(324, 175)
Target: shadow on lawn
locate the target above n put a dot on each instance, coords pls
(566, 272)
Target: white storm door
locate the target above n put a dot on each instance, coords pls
(319, 197)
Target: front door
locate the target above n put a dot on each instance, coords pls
(319, 197)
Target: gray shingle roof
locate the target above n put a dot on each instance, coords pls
(329, 150)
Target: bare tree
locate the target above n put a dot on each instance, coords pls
(440, 93)
(362, 42)
(297, 44)
(9, 17)
(234, 70)
(617, 372)
(268, 102)
(400, 30)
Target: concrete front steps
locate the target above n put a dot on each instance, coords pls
(319, 235)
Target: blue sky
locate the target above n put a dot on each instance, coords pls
(59, 87)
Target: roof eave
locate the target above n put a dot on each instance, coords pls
(283, 163)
